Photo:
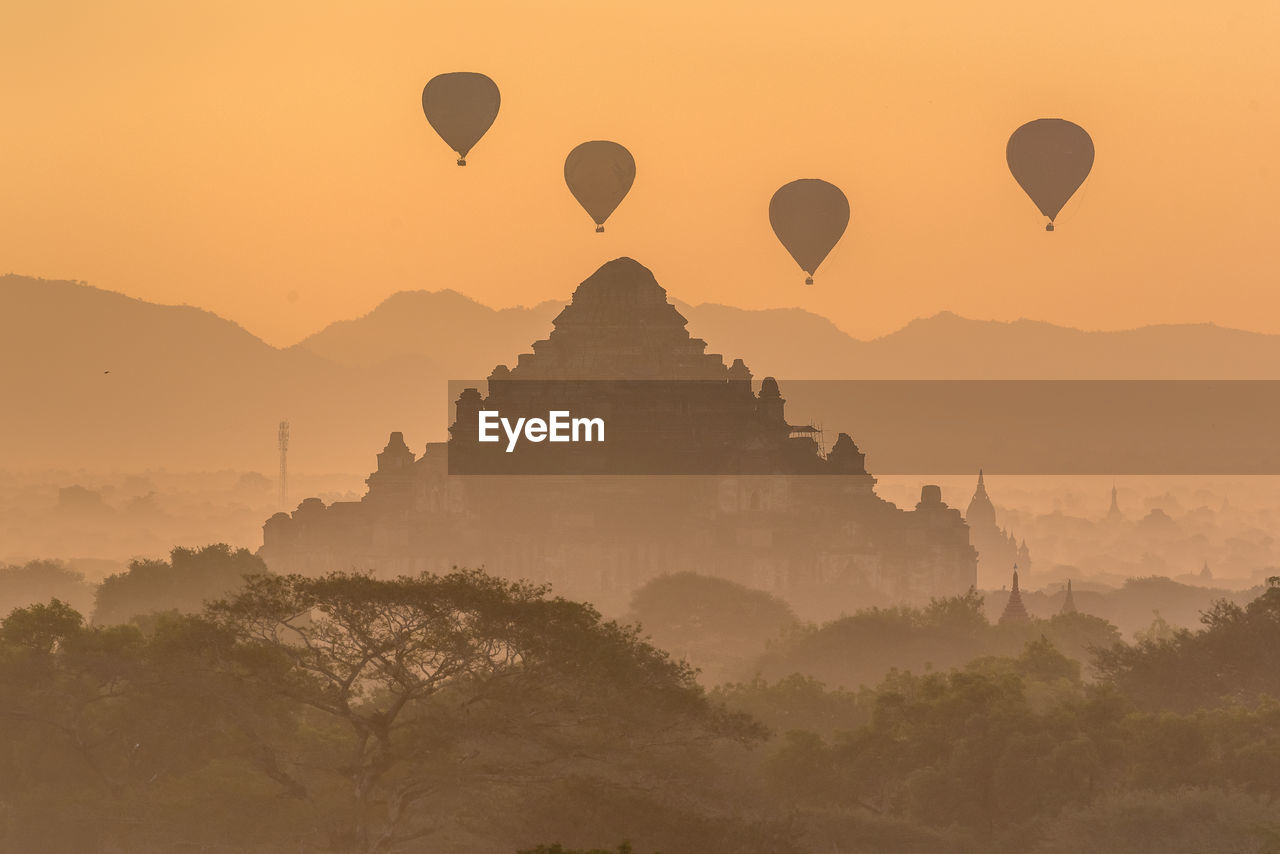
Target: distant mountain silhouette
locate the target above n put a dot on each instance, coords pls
(947, 346)
(451, 334)
(798, 344)
(189, 390)
(794, 343)
(186, 389)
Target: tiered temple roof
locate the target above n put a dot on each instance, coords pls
(620, 326)
(1014, 610)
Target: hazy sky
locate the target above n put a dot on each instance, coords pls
(232, 154)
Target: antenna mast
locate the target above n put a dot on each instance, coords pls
(284, 463)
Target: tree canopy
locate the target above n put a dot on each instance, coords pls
(1231, 661)
(375, 713)
(348, 714)
(861, 649)
(720, 626)
(41, 580)
(183, 583)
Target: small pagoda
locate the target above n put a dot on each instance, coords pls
(1069, 604)
(1014, 610)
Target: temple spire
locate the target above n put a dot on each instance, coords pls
(1014, 610)
(981, 513)
(1068, 604)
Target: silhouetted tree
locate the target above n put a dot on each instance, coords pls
(717, 624)
(1190, 821)
(466, 713)
(102, 728)
(1159, 630)
(437, 686)
(42, 580)
(968, 748)
(184, 583)
(862, 649)
(796, 702)
(1232, 660)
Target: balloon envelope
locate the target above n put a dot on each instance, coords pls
(599, 174)
(461, 106)
(809, 216)
(1050, 158)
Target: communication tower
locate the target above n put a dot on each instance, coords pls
(284, 463)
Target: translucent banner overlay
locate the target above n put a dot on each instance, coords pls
(891, 427)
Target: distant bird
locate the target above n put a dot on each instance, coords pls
(106, 372)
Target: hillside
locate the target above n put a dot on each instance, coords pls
(443, 332)
(99, 380)
(102, 381)
(462, 338)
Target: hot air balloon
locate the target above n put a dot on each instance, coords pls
(461, 106)
(1050, 158)
(809, 216)
(599, 174)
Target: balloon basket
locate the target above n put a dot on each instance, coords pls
(808, 280)
(1049, 227)
(599, 229)
(462, 161)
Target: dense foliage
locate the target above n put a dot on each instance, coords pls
(41, 580)
(341, 713)
(467, 713)
(1231, 661)
(718, 625)
(862, 649)
(184, 583)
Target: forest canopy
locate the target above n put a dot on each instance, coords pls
(465, 712)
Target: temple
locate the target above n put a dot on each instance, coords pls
(1114, 514)
(1014, 610)
(997, 547)
(1069, 603)
(766, 506)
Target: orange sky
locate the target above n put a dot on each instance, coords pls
(225, 154)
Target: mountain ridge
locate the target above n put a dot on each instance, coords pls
(96, 378)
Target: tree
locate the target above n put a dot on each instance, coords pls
(796, 702)
(968, 748)
(432, 687)
(41, 628)
(1231, 660)
(349, 714)
(1160, 630)
(861, 649)
(183, 583)
(1190, 821)
(720, 626)
(1231, 746)
(42, 580)
(102, 728)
